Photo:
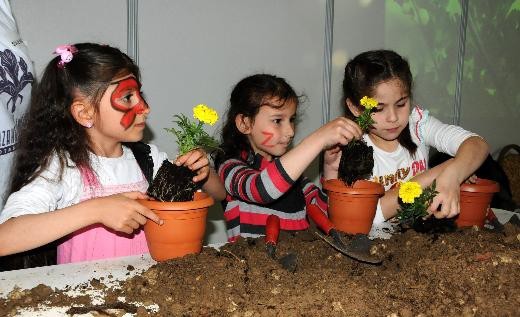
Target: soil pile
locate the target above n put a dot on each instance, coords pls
(468, 272)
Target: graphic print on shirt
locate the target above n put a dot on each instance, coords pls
(401, 174)
(418, 167)
(14, 77)
(10, 83)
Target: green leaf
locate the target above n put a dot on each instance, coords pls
(453, 8)
(424, 17)
(191, 135)
(515, 6)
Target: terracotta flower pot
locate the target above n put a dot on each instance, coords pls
(352, 209)
(183, 229)
(474, 202)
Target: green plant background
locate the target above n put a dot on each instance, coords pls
(427, 33)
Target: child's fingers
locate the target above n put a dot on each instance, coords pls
(126, 229)
(333, 150)
(355, 130)
(150, 215)
(187, 158)
(181, 159)
(434, 206)
(452, 208)
(472, 179)
(190, 157)
(140, 219)
(202, 174)
(201, 163)
(133, 224)
(444, 208)
(352, 127)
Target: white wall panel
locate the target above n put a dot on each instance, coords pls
(46, 24)
(195, 51)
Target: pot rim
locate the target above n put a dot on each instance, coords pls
(202, 200)
(482, 185)
(360, 187)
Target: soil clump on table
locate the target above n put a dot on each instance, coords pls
(469, 272)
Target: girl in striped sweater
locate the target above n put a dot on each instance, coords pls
(261, 174)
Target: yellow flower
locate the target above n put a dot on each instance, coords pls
(409, 191)
(205, 114)
(368, 103)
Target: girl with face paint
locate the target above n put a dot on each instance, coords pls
(76, 177)
(261, 173)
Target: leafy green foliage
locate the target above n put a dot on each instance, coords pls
(191, 135)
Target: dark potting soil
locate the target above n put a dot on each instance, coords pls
(173, 183)
(470, 272)
(357, 162)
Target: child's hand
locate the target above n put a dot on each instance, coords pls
(331, 158)
(195, 160)
(339, 131)
(447, 198)
(472, 179)
(123, 213)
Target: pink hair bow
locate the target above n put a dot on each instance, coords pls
(65, 52)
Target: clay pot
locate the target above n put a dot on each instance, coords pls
(474, 202)
(352, 208)
(183, 229)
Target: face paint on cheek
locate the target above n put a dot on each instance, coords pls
(124, 87)
(268, 137)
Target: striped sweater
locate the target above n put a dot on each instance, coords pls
(261, 188)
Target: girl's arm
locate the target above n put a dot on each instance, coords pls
(389, 203)
(214, 187)
(339, 131)
(448, 175)
(251, 185)
(265, 186)
(120, 212)
(470, 155)
(314, 195)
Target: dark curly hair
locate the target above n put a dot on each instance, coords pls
(248, 95)
(49, 127)
(365, 71)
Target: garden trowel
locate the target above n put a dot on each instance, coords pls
(272, 230)
(357, 249)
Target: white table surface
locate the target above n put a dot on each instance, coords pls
(73, 274)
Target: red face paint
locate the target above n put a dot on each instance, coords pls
(268, 137)
(127, 98)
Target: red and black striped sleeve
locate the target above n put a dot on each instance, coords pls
(251, 185)
(314, 195)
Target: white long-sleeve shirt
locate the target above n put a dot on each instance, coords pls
(400, 165)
